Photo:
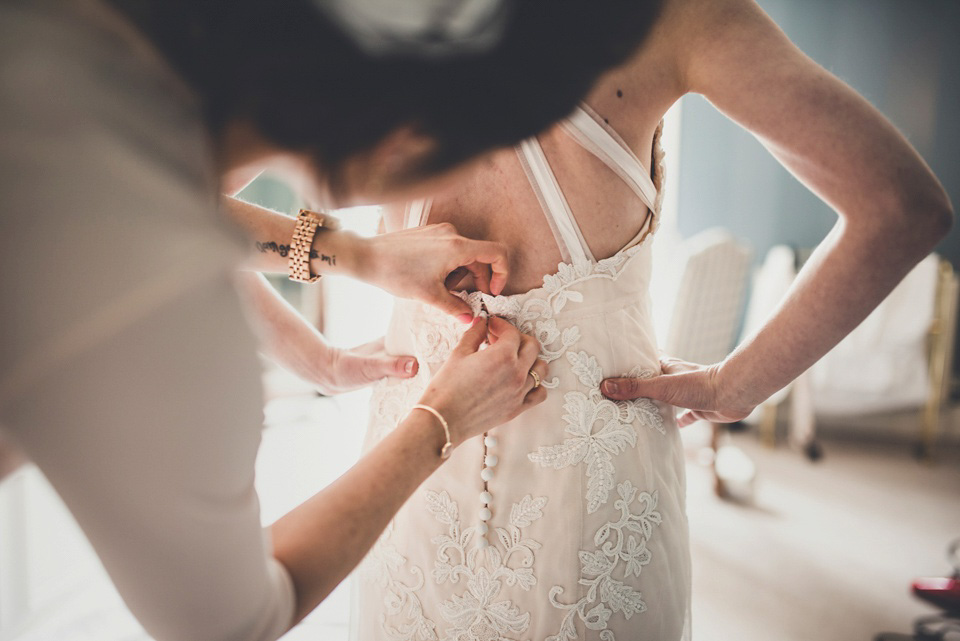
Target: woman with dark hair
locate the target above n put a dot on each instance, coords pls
(306, 86)
(128, 375)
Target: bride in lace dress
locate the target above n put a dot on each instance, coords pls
(570, 523)
(573, 517)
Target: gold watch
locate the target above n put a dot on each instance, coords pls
(302, 243)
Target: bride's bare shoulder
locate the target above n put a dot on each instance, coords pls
(708, 38)
(634, 96)
(693, 46)
(685, 33)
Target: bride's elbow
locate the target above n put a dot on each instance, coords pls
(931, 216)
(918, 212)
(943, 216)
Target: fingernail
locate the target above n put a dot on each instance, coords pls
(465, 318)
(408, 366)
(610, 387)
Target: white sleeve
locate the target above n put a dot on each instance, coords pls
(151, 438)
(127, 372)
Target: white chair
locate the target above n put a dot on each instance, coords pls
(898, 358)
(705, 313)
(708, 280)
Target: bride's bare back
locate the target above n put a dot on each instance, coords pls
(498, 203)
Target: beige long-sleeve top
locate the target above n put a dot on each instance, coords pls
(127, 373)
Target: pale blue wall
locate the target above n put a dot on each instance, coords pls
(903, 55)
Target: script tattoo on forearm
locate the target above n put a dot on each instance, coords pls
(284, 250)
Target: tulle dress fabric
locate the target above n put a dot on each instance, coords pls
(586, 535)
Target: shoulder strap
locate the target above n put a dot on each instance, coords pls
(417, 212)
(604, 143)
(567, 233)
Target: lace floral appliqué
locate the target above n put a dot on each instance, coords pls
(382, 567)
(599, 427)
(620, 544)
(391, 400)
(476, 614)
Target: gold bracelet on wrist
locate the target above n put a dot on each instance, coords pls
(302, 244)
(447, 448)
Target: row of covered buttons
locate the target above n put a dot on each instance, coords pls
(486, 498)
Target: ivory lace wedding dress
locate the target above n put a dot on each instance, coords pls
(568, 522)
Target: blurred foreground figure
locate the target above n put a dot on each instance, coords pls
(127, 373)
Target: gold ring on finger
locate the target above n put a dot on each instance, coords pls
(536, 379)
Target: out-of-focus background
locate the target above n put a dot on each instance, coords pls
(810, 520)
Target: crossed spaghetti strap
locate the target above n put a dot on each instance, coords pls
(584, 127)
(604, 143)
(416, 213)
(565, 229)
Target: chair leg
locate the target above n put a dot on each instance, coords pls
(941, 336)
(768, 425)
(734, 473)
(803, 420)
(717, 430)
(929, 429)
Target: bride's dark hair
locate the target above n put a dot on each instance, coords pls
(307, 86)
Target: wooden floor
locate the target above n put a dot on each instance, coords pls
(827, 551)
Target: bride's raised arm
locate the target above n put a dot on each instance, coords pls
(891, 208)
